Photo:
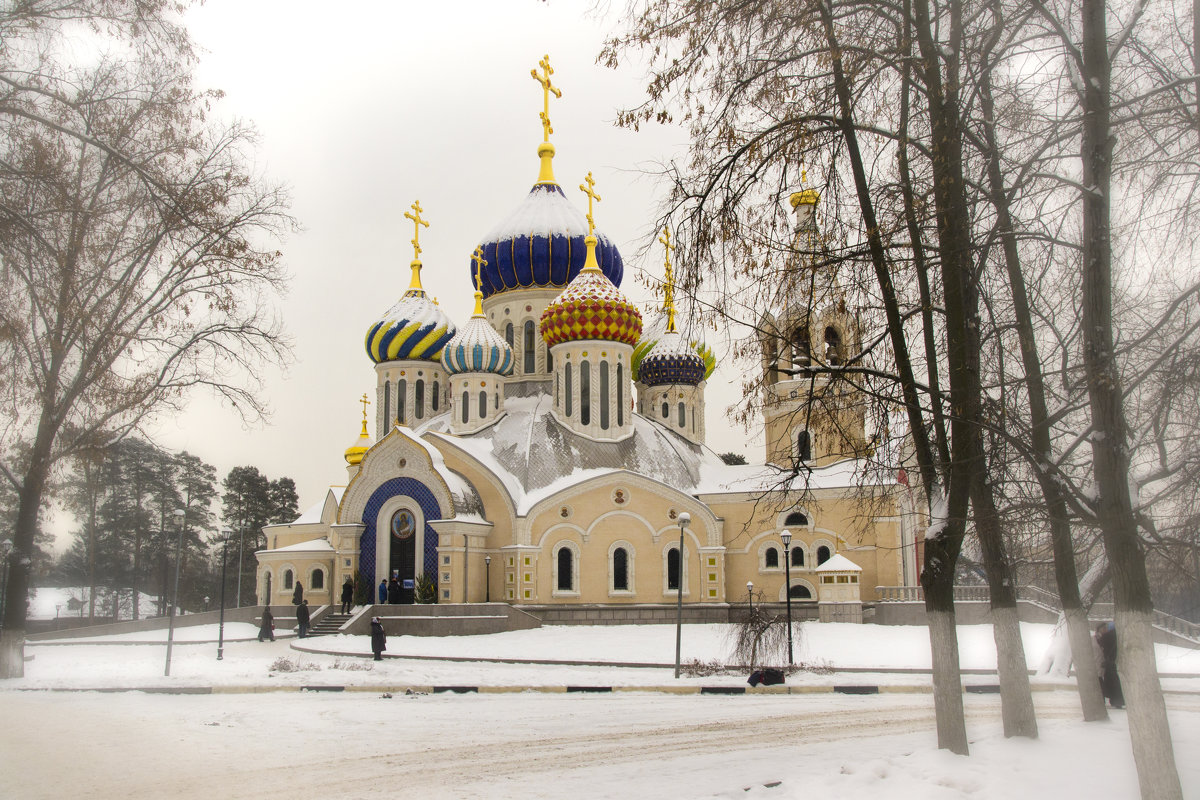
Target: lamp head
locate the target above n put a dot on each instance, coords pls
(487, 559)
(685, 519)
(786, 536)
(226, 533)
(749, 586)
(179, 512)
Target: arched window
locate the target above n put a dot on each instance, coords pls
(466, 407)
(796, 518)
(771, 558)
(401, 391)
(585, 393)
(387, 406)
(419, 405)
(822, 555)
(773, 361)
(673, 569)
(603, 395)
(508, 334)
(317, 581)
(666, 409)
(801, 355)
(797, 556)
(682, 415)
(530, 347)
(482, 404)
(620, 396)
(549, 361)
(496, 401)
(435, 395)
(803, 446)
(833, 346)
(799, 592)
(567, 389)
(620, 565)
(288, 578)
(566, 570)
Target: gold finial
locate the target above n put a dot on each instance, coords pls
(480, 263)
(669, 284)
(416, 262)
(547, 90)
(589, 190)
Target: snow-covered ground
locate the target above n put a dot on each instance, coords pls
(523, 735)
(48, 602)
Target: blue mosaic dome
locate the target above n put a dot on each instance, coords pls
(651, 335)
(671, 361)
(540, 244)
(415, 328)
(478, 348)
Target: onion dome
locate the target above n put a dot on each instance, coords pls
(651, 336)
(477, 347)
(671, 361)
(356, 451)
(415, 328)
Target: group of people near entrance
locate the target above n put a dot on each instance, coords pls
(266, 629)
(391, 592)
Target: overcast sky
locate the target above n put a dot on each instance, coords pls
(363, 110)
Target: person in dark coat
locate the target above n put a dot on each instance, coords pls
(382, 591)
(1110, 682)
(347, 595)
(297, 593)
(393, 593)
(267, 629)
(378, 638)
(302, 618)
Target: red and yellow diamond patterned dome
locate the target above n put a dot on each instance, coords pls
(591, 307)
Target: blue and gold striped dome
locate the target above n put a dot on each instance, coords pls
(415, 328)
(478, 348)
(672, 360)
(541, 245)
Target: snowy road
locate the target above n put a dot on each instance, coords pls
(474, 746)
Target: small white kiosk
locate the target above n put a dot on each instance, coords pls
(838, 597)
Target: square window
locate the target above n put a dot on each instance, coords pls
(528, 594)
(712, 577)
(712, 592)
(712, 562)
(528, 561)
(446, 560)
(509, 577)
(347, 562)
(511, 594)
(528, 577)
(510, 561)
(445, 594)
(445, 577)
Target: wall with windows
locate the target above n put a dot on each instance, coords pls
(592, 389)
(476, 401)
(408, 393)
(678, 407)
(517, 317)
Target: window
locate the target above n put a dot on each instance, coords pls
(317, 581)
(401, 392)
(585, 393)
(799, 592)
(682, 415)
(508, 334)
(803, 446)
(287, 579)
(797, 556)
(796, 518)
(822, 554)
(557, 379)
(620, 396)
(620, 565)
(419, 405)
(530, 347)
(673, 569)
(466, 407)
(603, 395)
(801, 354)
(435, 395)
(496, 401)
(482, 405)
(833, 346)
(567, 370)
(666, 409)
(566, 569)
(771, 558)
(549, 362)
(387, 406)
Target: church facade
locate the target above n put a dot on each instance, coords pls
(551, 450)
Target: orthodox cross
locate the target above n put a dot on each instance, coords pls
(669, 285)
(547, 90)
(589, 191)
(480, 263)
(417, 223)
(365, 403)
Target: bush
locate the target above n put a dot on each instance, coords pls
(285, 664)
(426, 589)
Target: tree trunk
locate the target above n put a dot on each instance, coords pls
(16, 592)
(1153, 752)
(943, 647)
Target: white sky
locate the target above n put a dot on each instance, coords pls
(365, 110)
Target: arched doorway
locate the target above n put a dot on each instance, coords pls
(402, 561)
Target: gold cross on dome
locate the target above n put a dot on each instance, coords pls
(480, 263)
(547, 90)
(590, 192)
(365, 403)
(669, 282)
(417, 223)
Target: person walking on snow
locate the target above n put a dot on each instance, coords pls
(378, 638)
(347, 595)
(302, 618)
(267, 629)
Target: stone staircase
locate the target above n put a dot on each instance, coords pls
(329, 624)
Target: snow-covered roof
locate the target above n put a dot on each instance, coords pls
(721, 478)
(321, 545)
(312, 515)
(839, 563)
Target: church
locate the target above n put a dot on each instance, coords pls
(549, 452)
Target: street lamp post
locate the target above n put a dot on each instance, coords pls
(178, 513)
(750, 595)
(786, 536)
(487, 578)
(225, 534)
(240, 564)
(684, 519)
(6, 548)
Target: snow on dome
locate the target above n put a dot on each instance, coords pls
(650, 336)
(478, 348)
(672, 361)
(414, 328)
(540, 244)
(591, 307)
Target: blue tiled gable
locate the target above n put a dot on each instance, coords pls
(429, 508)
